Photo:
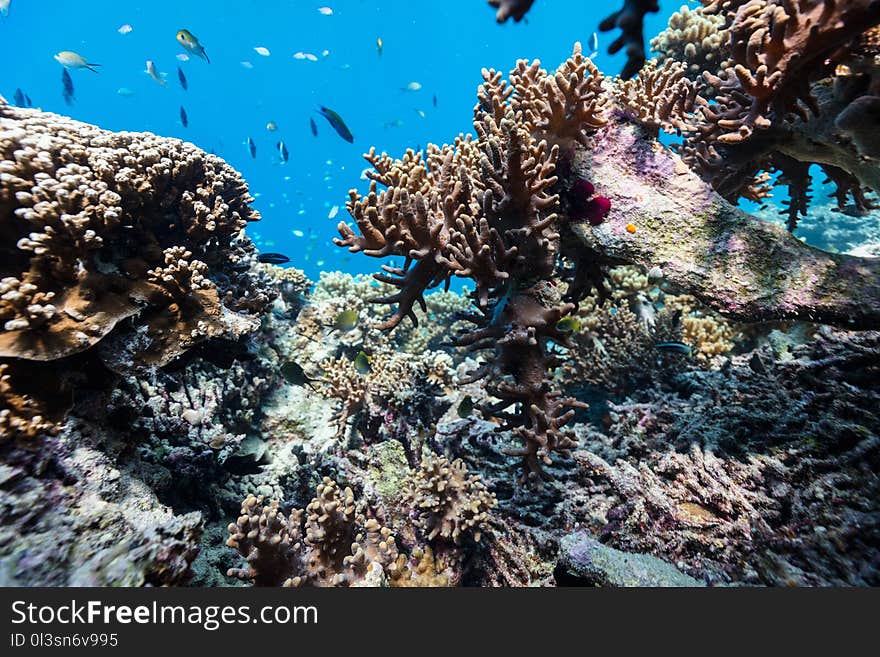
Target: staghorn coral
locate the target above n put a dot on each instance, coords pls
(695, 38)
(481, 208)
(85, 216)
(760, 474)
(774, 112)
(449, 502)
(336, 545)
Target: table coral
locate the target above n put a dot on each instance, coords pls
(90, 219)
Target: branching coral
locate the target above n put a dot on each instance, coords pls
(21, 416)
(774, 113)
(449, 502)
(695, 38)
(661, 96)
(482, 208)
(336, 545)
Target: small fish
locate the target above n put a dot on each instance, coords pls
(182, 57)
(271, 126)
(568, 325)
(337, 123)
(273, 258)
(182, 79)
(262, 50)
(125, 92)
(252, 147)
(594, 45)
(184, 119)
(18, 98)
(153, 72)
(362, 363)
(191, 44)
(313, 126)
(296, 375)
(379, 46)
(326, 11)
(70, 59)
(396, 123)
(67, 87)
(333, 212)
(412, 86)
(4, 7)
(282, 152)
(674, 348)
(435, 100)
(247, 65)
(346, 320)
(125, 29)
(465, 408)
(421, 113)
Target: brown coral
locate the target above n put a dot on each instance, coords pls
(483, 208)
(661, 96)
(341, 547)
(84, 216)
(449, 502)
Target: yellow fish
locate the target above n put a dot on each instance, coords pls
(70, 59)
(362, 363)
(379, 46)
(191, 44)
(346, 321)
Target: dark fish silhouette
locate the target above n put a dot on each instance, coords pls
(67, 87)
(184, 119)
(27, 101)
(252, 147)
(674, 348)
(295, 375)
(282, 151)
(337, 123)
(435, 100)
(313, 126)
(273, 258)
(182, 78)
(18, 98)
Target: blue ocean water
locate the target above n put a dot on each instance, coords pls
(442, 46)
